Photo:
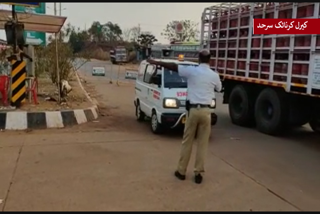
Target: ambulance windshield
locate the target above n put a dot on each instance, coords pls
(173, 80)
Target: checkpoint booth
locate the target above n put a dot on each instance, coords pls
(18, 84)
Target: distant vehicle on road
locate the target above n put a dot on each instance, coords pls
(118, 55)
(98, 71)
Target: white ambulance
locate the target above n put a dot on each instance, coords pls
(162, 97)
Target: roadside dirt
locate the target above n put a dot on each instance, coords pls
(76, 98)
(132, 66)
(115, 112)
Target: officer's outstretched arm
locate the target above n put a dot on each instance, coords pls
(185, 70)
(167, 65)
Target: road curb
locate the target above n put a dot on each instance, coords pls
(92, 100)
(23, 120)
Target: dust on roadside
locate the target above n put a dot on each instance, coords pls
(132, 66)
(76, 98)
(116, 107)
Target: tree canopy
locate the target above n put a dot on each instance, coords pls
(146, 40)
(109, 34)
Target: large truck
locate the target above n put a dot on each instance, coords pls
(269, 81)
(118, 55)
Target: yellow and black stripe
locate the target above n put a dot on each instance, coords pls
(18, 83)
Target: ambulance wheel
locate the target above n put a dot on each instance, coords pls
(139, 114)
(156, 127)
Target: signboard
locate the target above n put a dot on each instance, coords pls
(98, 71)
(27, 4)
(185, 47)
(32, 37)
(132, 75)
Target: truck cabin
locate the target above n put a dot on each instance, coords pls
(120, 51)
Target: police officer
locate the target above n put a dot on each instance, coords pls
(202, 82)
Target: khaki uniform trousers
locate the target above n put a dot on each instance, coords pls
(198, 121)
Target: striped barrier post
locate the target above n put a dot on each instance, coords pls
(18, 83)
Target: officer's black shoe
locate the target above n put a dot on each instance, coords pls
(198, 179)
(179, 176)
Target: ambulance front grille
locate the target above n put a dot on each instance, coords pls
(182, 103)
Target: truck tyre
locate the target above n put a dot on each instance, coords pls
(300, 112)
(241, 106)
(139, 114)
(270, 112)
(156, 127)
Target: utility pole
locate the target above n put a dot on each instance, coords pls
(60, 12)
(14, 34)
(55, 8)
(140, 50)
(57, 62)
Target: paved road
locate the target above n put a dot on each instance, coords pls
(113, 72)
(116, 163)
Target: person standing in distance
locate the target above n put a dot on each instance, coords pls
(202, 82)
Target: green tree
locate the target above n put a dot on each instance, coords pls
(96, 31)
(112, 32)
(146, 40)
(135, 33)
(78, 40)
(69, 60)
(190, 31)
(127, 35)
